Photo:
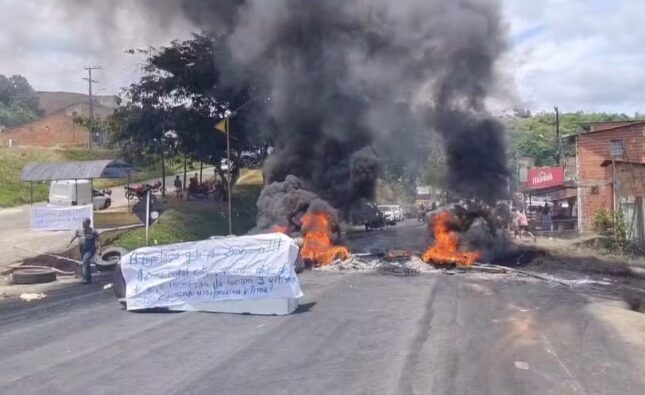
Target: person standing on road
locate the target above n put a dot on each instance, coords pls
(179, 192)
(515, 225)
(523, 224)
(89, 245)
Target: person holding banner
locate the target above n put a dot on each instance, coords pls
(89, 245)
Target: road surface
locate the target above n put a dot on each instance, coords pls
(409, 235)
(354, 333)
(361, 333)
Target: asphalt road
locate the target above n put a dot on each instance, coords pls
(409, 235)
(353, 333)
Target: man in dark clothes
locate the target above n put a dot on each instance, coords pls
(89, 245)
(179, 191)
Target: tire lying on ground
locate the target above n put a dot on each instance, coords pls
(33, 276)
(109, 258)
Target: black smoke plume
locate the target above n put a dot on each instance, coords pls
(344, 76)
(340, 73)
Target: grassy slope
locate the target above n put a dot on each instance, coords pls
(14, 192)
(197, 220)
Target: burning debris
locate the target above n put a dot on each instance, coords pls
(318, 248)
(288, 208)
(445, 249)
(397, 256)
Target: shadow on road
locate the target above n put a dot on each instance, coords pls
(304, 308)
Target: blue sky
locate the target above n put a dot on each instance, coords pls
(578, 54)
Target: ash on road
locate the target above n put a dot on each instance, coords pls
(354, 333)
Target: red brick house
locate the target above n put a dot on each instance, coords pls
(57, 128)
(600, 148)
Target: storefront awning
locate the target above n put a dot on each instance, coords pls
(539, 178)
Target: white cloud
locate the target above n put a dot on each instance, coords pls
(579, 55)
(51, 42)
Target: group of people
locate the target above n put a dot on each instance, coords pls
(195, 187)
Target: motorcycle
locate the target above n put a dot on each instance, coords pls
(155, 187)
(139, 191)
(421, 216)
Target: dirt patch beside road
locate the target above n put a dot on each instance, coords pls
(609, 277)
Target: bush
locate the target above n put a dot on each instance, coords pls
(611, 224)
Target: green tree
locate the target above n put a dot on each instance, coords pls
(185, 91)
(18, 101)
(535, 136)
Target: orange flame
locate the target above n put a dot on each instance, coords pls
(317, 246)
(445, 249)
(280, 229)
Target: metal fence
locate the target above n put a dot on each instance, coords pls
(554, 226)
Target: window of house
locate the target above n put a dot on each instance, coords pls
(616, 148)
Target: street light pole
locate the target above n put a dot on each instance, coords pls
(227, 127)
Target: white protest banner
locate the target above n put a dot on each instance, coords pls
(230, 268)
(60, 217)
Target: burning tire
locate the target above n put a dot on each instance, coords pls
(33, 276)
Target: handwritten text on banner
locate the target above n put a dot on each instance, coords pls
(230, 268)
(60, 217)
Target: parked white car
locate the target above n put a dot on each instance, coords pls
(388, 213)
(397, 212)
(224, 165)
(78, 192)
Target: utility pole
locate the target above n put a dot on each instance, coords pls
(558, 143)
(91, 102)
(228, 170)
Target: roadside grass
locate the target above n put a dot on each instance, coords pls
(197, 220)
(14, 192)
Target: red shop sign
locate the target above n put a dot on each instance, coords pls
(545, 177)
